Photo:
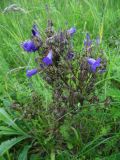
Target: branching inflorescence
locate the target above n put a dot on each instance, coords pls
(72, 75)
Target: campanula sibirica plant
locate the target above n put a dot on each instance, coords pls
(72, 75)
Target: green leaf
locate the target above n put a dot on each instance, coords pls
(64, 130)
(6, 145)
(6, 102)
(113, 92)
(115, 112)
(35, 157)
(113, 157)
(8, 131)
(75, 132)
(52, 156)
(4, 116)
(24, 152)
(69, 145)
(2, 158)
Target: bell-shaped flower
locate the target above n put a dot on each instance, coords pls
(31, 72)
(30, 45)
(94, 63)
(48, 59)
(87, 42)
(71, 31)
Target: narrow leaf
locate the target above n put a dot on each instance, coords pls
(6, 145)
(4, 116)
(8, 131)
(24, 152)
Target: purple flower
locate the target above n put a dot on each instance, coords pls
(87, 42)
(29, 46)
(94, 63)
(48, 59)
(31, 72)
(71, 31)
(70, 56)
(87, 36)
(35, 31)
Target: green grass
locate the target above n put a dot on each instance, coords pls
(97, 134)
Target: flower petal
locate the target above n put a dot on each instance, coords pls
(29, 46)
(32, 72)
(97, 63)
(94, 63)
(88, 42)
(87, 37)
(93, 68)
(71, 31)
(91, 61)
(47, 61)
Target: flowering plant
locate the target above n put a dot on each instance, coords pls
(72, 75)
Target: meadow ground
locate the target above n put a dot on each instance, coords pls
(34, 137)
